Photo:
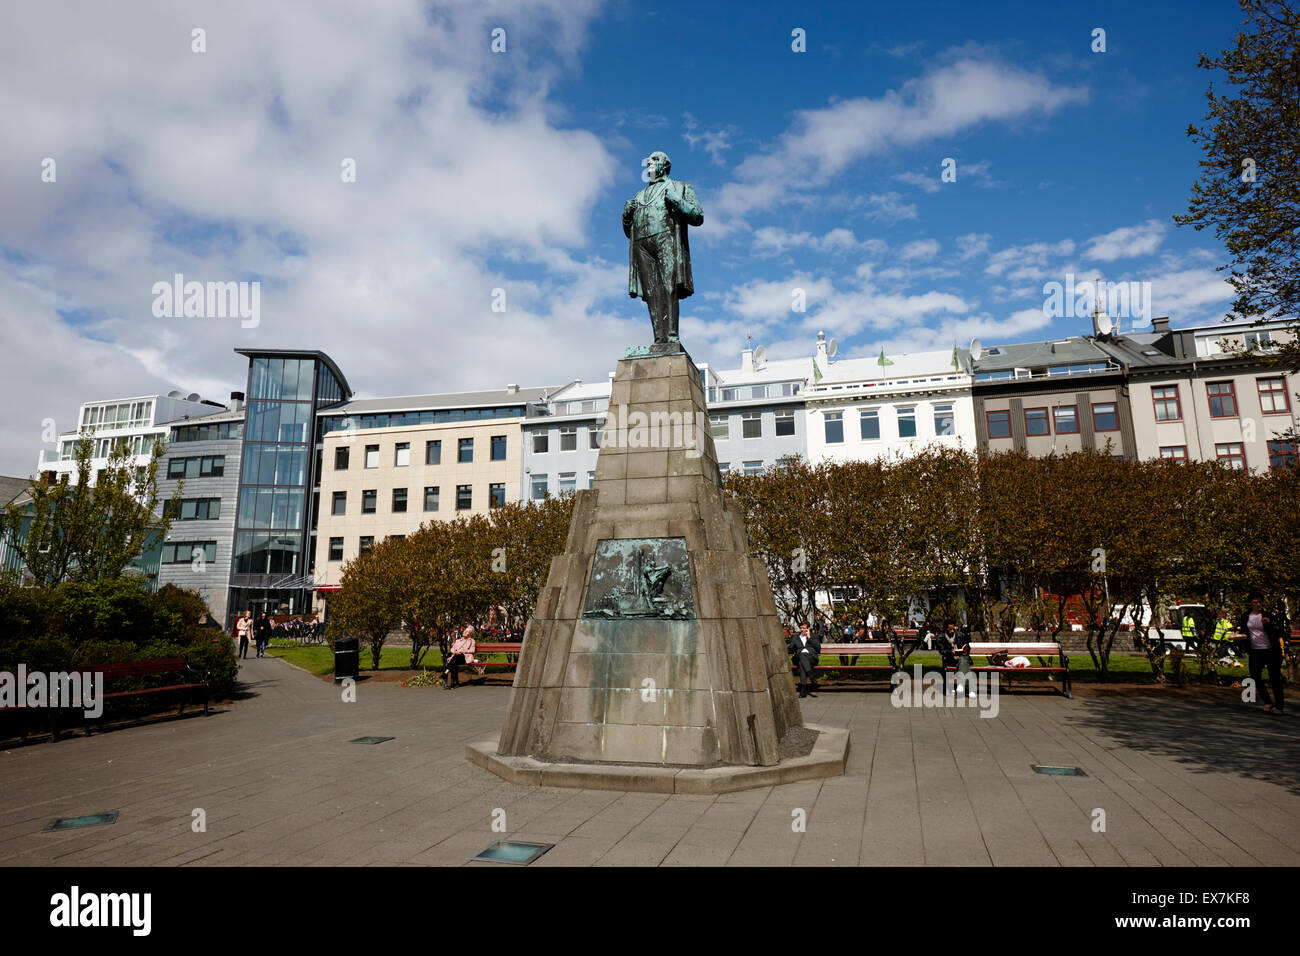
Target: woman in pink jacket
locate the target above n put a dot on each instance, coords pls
(462, 652)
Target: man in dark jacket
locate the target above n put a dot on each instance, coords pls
(262, 632)
(805, 650)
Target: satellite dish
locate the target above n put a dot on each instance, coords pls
(1102, 324)
(976, 350)
(760, 356)
(175, 393)
(832, 347)
(192, 397)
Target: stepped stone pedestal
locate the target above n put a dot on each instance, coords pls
(655, 658)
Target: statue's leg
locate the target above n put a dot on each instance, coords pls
(674, 309)
(652, 285)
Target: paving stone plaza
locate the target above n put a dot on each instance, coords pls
(1181, 782)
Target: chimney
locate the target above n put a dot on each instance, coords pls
(747, 360)
(236, 401)
(1161, 325)
(512, 389)
(821, 350)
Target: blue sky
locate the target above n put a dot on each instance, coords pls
(480, 171)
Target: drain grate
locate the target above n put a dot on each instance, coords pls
(1060, 771)
(371, 740)
(76, 823)
(506, 851)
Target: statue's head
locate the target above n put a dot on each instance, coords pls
(659, 165)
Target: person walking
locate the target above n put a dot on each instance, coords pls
(1264, 640)
(461, 652)
(243, 631)
(805, 651)
(262, 633)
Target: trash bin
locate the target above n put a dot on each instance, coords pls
(347, 656)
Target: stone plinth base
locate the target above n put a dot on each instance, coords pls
(829, 754)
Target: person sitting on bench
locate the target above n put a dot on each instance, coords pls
(461, 652)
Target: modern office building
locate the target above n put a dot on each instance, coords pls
(279, 467)
(203, 456)
(139, 423)
(389, 465)
(561, 439)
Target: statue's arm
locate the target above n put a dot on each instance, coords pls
(627, 218)
(689, 207)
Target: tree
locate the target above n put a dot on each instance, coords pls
(369, 602)
(525, 537)
(88, 531)
(1249, 189)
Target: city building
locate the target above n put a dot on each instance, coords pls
(757, 412)
(388, 465)
(888, 406)
(561, 439)
(202, 460)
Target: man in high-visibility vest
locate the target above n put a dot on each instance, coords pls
(1222, 627)
(1189, 628)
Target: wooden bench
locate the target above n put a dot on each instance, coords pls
(509, 648)
(166, 665)
(1024, 649)
(870, 649)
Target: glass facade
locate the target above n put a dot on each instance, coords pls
(276, 511)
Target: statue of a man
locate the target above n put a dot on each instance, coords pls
(659, 256)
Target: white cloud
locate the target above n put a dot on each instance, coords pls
(1128, 242)
(920, 249)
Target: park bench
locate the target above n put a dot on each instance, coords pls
(854, 651)
(1024, 649)
(188, 681)
(510, 648)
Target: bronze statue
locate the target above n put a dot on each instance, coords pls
(659, 254)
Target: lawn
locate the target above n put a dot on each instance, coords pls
(319, 659)
(1124, 668)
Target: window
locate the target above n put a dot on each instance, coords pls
(341, 455)
(568, 482)
(730, 394)
(399, 500)
(907, 423)
(368, 499)
(869, 419)
(1259, 340)
(431, 498)
(1173, 452)
(569, 438)
(498, 447)
(724, 466)
(1036, 422)
(185, 552)
(1105, 418)
(466, 453)
(496, 495)
(195, 509)
(541, 443)
(464, 497)
(539, 487)
(784, 423)
(336, 549)
(591, 477)
(403, 456)
(1231, 455)
(751, 424)
(207, 466)
(720, 426)
(340, 506)
(367, 542)
(372, 456)
(433, 453)
(999, 424)
(753, 467)
(1273, 399)
(1067, 419)
(1223, 399)
(834, 428)
(1281, 454)
(593, 436)
(945, 422)
(1168, 407)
